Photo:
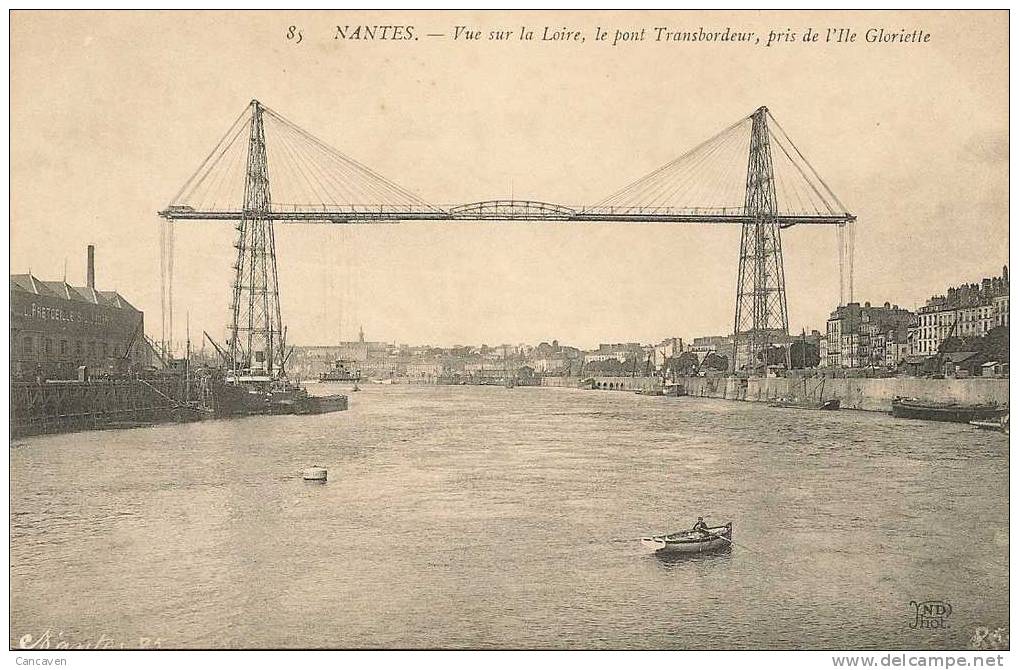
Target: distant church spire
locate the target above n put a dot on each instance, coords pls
(360, 334)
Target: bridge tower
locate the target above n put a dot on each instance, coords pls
(761, 312)
(256, 330)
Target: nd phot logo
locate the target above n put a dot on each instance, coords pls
(930, 614)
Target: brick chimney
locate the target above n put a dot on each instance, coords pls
(91, 270)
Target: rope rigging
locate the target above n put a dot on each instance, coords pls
(311, 178)
(306, 174)
(711, 177)
(166, 256)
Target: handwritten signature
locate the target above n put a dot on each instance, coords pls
(50, 639)
(985, 638)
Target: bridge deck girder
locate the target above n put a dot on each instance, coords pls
(464, 213)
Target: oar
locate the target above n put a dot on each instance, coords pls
(741, 545)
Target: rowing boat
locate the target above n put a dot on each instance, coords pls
(691, 541)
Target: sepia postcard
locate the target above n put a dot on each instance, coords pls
(510, 330)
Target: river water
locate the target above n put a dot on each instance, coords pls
(485, 517)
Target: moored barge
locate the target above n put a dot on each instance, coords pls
(912, 408)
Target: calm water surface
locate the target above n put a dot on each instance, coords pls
(491, 517)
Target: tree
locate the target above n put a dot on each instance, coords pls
(715, 361)
(525, 372)
(803, 354)
(952, 344)
(684, 365)
(773, 356)
(611, 367)
(994, 345)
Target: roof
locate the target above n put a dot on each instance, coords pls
(960, 356)
(114, 299)
(64, 290)
(28, 283)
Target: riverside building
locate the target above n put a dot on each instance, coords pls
(970, 310)
(56, 328)
(860, 336)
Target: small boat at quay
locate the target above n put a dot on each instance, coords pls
(831, 404)
(717, 538)
(912, 408)
(809, 400)
(999, 424)
(675, 390)
(341, 372)
(320, 404)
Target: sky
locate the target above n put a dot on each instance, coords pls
(112, 112)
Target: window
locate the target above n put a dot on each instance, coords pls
(63, 347)
(47, 346)
(26, 346)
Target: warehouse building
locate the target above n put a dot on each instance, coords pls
(56, 328)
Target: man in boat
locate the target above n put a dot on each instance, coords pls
(700, 526)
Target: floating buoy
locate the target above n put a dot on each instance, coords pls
(315, 474)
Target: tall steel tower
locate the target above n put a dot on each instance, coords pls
(256, 328)
(760, 292)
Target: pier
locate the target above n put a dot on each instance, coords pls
(67, 406)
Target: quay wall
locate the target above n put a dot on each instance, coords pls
(563, 382)
(607, 383)
(872, 394)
